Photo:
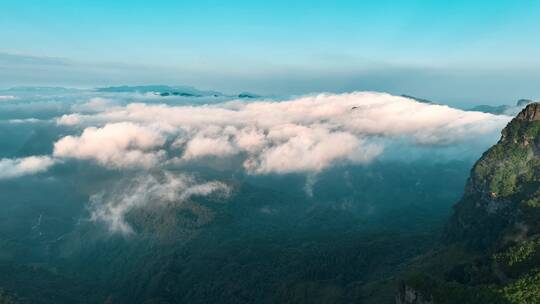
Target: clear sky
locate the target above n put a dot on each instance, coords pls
(461, 50)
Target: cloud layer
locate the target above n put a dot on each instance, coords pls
(306, 134)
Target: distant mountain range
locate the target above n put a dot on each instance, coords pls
(503, 109)
(422, 100)
(164, 91)
(189, 91)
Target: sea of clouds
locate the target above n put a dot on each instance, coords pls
(302, 135)
(305, 134)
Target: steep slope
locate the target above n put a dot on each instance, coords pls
(491, 247)
(503, 191)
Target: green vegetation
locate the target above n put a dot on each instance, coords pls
(6, 298)
(266, 244)
(533, 202)
(525, 290)
(510, 166)
(521, 129)
(442, 292)
(519, 253)
(501, 170)
(499, 211)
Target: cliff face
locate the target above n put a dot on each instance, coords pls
(490, 252)
(530, 113)
(502, 195)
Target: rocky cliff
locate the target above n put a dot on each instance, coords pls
(503, 192)
(491, 247)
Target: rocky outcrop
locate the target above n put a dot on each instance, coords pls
(502, 181)
(410, 295)
(530, 113)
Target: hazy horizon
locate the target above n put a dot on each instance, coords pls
(458, 52)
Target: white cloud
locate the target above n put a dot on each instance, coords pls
(95, 104)
(112, 207)
(16, 167)
(201, 146)
(25, 120)
(117, 145)
(69, 119)
(303, 149)
(306, 134)
(7, 97)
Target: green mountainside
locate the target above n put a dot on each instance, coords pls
(490, 251)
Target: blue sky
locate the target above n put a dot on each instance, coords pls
(431, 48)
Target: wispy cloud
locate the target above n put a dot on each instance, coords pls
(7, 97)
(111, 207)
(17, 167)
(95, 104)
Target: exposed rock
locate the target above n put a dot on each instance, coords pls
(409, 295)
(530, 113)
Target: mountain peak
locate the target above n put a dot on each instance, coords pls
(530, 113)
(523, 102)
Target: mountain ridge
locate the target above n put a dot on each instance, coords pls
(490, 250)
